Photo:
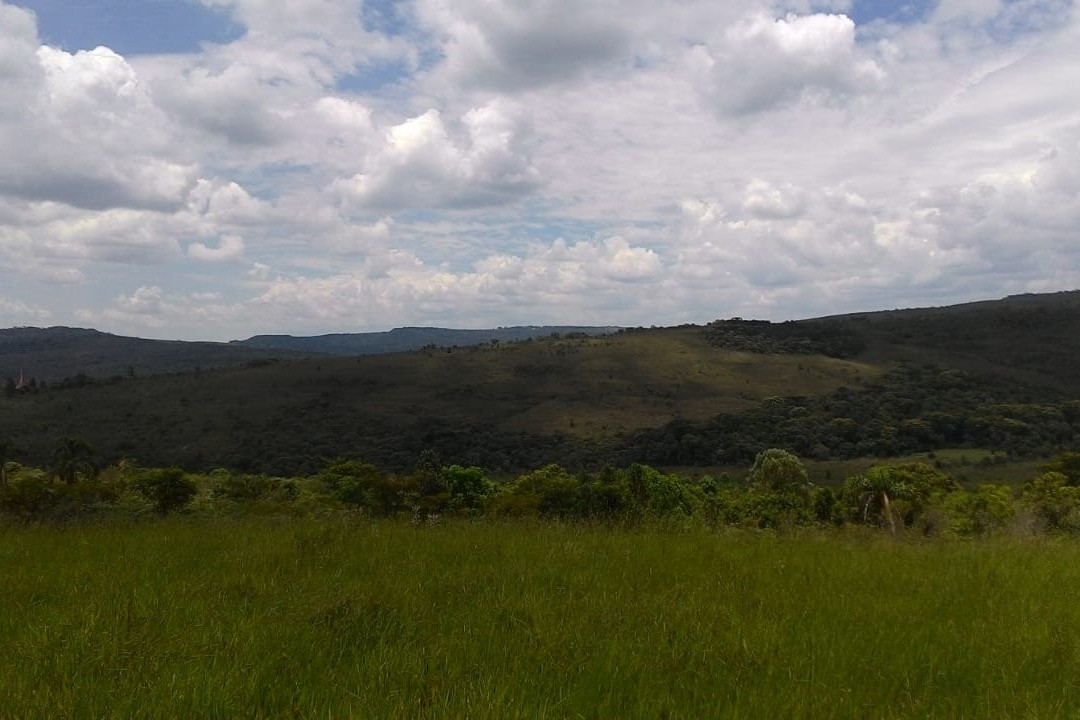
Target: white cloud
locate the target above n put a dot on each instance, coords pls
(509, 45)
(967, 9)
(832, 167)
(230, 249)
(764, 200)
(308, 41)
(764, 62)
(85, 131)
(144, 301)
(16, 312)
(422, 165)
(235, 102)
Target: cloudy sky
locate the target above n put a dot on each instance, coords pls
(213, 169)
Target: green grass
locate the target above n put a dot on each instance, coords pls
(341, 617)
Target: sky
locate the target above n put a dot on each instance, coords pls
(216, 169)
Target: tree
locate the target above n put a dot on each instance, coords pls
(550, 490)
(468, 486)
(980, 512)
(1068, 464)
(1054, 502)
(72, 457)
(364, 485)
(7, 449)
(168, 488)
(779, 471)
(429, 473)
(874, 494)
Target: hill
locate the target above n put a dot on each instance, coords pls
(994, 375)
(55, 353)
(1027, 338)
(59, 353)
(412, 338)
(498, 404)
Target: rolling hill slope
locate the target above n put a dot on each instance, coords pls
(407, 339)
(56, 353)
(999, 374)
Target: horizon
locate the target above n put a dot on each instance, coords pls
(166, 338)
(216, 169)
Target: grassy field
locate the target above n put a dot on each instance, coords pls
(342, 617)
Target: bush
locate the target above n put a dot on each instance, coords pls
(979, 513)
(169, 489)
(468, 487)
(1054, 503)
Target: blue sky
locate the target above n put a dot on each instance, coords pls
(132, 27)
(213, 169)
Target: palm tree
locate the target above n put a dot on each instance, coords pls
(915, 483)
(72, 456)
(879, 486)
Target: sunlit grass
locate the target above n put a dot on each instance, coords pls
(347, 618)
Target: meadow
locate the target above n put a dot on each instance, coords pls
(341, 615)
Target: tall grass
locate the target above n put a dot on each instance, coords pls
(349, 618)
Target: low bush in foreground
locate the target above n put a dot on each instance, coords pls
(348, 617)
(777, 493)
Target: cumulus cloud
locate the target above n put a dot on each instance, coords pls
(17, 312)
(228, 203)
(764, 62)
(422, 165)
(235, 102)
(765, 200)
(399, 288)
(517, 44)
(305, 187)
(81, 128)
(56, 242)
(230, 248)
(144, 301)
(326, 38)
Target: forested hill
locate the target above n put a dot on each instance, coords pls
(412, 338)
(1032, 339)
(63, 353)
(57, 353)
(999, 375)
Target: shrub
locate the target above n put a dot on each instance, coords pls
(988, 509)
(168, 488)
(1054, 503)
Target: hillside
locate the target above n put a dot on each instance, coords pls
(298, 412)
(995, 375)
(411, 338)
(53, 354)
(1031, 338)
(1027, 338)
(58, 353)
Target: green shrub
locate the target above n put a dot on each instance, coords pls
(981, 512)
(170, 489)
(1054, 503)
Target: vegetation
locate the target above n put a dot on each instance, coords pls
(681, 522)
(775, 493)
(506, 407)
(667, 397)
(345, 617)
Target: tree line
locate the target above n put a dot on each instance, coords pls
(776, 494)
